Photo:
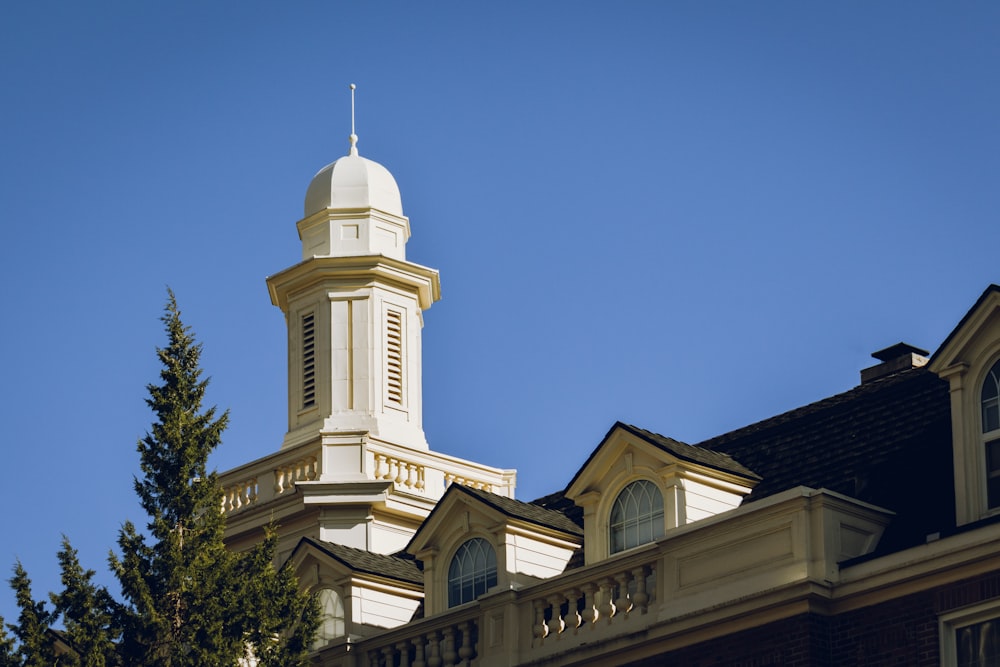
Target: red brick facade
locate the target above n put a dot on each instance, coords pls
(899, 632)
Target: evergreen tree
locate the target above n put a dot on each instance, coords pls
(35, 645)
(7, 657)
(189, 600)
(88, 612)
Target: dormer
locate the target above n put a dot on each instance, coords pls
(637, 485)
(476, 542)
(969, 359)
(360, 593)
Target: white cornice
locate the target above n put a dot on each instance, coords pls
(407, 275)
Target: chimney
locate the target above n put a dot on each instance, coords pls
(898, 357)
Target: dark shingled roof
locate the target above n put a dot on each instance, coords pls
(558, 502)
(887, 442)
(529, 512)
(692, 453)
(681, 450)
(394, 567)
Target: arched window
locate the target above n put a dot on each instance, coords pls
(472, 572)
(636, 516)
(332, 620)
(990, 401)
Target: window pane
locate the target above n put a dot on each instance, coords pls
(991, 399)
(978, 645)
(991, 416)
(636, 516)
(332, 617)
(472, 572)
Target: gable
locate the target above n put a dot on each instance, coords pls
(965, 360)
(325, 563)
(457, 513)
(976, 337)
(463, 510)
(627, 448)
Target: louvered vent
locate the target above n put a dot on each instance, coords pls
(394, 356)
(308, 360)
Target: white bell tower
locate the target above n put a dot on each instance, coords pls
(353, 307)
(354, 468)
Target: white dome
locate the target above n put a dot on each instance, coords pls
(353, 182)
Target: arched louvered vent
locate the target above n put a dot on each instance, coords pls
(308, 360)
(394, 356)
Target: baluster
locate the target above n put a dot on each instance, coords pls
(373, 660)
(400, 467)
(387, 653)
(450, 656)
(558, 623)
(640, 598)
(434, 657)
(420, 478)
(539, 629)
(467, 650)
(418, 652)
(410, 470)
(403, 651)
(572, 617)
(606, 607)
(590, 614)
(378, 466)
(623, 603)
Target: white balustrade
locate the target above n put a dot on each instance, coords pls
(405, 475)
(238, 496)
(249, 491)
(451, 478)
(609, 600)
(301, 470)
(451, 645)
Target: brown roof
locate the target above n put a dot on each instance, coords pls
(530, 512)
(393, 567)
(692, 453)
(887, 442)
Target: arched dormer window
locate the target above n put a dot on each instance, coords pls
(637, 516)
(332, 618)
(990, 401)
(472, 572)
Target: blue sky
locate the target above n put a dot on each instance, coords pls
(684, 215)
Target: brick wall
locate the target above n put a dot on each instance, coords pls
(898, 632)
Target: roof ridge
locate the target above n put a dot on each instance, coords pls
(498, 501)
(872, 386)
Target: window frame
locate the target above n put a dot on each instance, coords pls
(991, 438)
(655, 518)
(488, 579)
(949, 623)
(319, 641)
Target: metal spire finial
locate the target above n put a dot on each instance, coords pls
(353, 137)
